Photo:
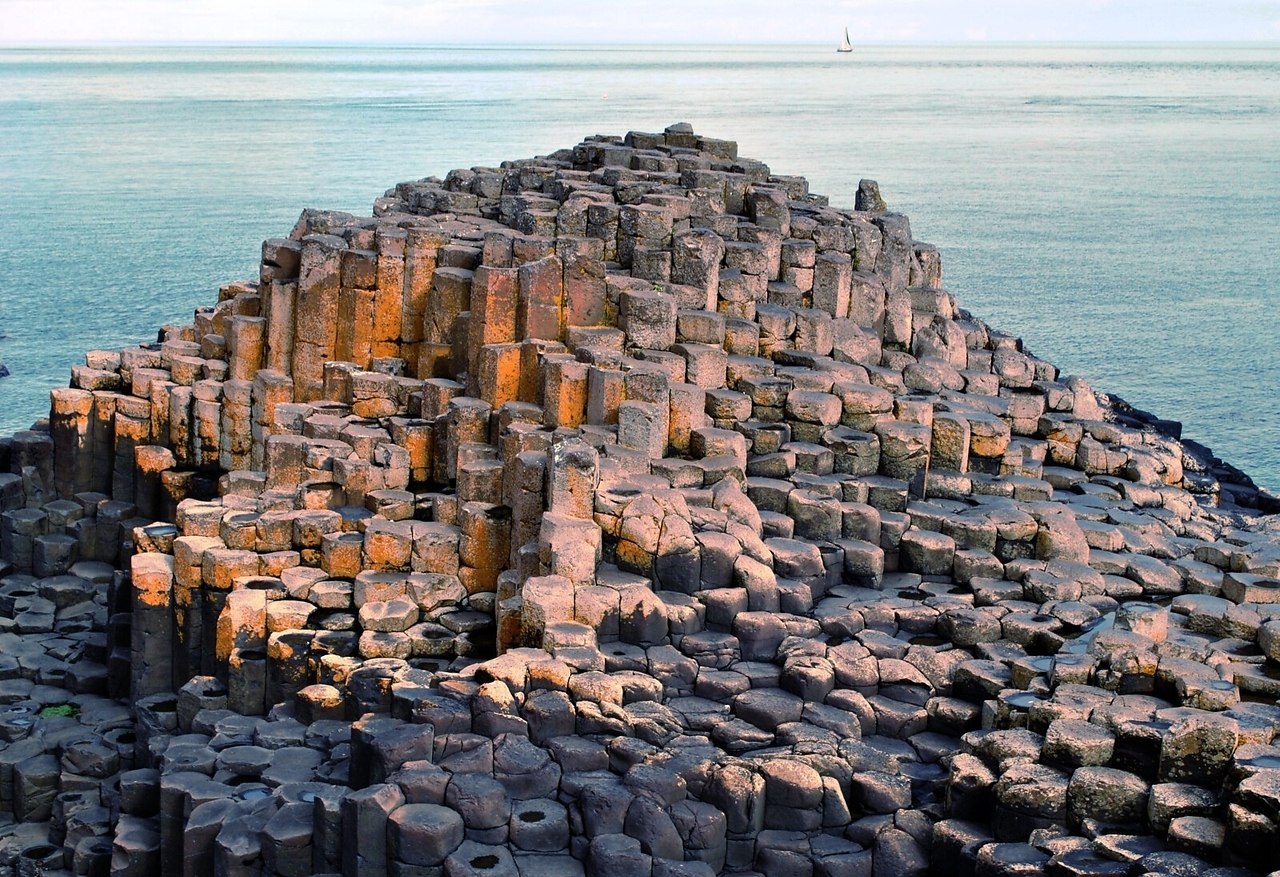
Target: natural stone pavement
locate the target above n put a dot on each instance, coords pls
(626, 509)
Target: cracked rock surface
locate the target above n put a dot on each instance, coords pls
(624, 509)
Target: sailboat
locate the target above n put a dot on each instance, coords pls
(845, 45)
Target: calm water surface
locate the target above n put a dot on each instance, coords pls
(1118, 207)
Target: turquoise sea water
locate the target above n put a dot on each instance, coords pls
(1118, 207)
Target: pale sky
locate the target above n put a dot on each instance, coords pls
(27, 22)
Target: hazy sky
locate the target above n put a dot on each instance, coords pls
(663, 21)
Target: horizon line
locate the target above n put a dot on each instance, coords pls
(326, 44)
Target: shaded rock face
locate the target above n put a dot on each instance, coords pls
(629, 507)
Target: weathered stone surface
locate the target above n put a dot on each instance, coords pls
(423, 834)
(1108, 795)
(629, 508)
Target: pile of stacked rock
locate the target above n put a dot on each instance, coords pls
(624, 510)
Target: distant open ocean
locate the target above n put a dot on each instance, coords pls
(1116, 206)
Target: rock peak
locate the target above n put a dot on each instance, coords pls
(634, 508)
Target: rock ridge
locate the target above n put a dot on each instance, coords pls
(628, 507)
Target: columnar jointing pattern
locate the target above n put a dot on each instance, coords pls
(627, 510)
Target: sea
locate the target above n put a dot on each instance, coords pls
(1116, 206)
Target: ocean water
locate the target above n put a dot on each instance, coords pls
(1116, 206)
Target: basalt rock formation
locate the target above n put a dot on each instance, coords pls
(626, 510)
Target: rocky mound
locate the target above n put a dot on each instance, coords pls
(624, 510)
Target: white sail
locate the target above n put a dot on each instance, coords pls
(845, 45)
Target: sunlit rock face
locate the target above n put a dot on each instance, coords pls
(626, 509)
